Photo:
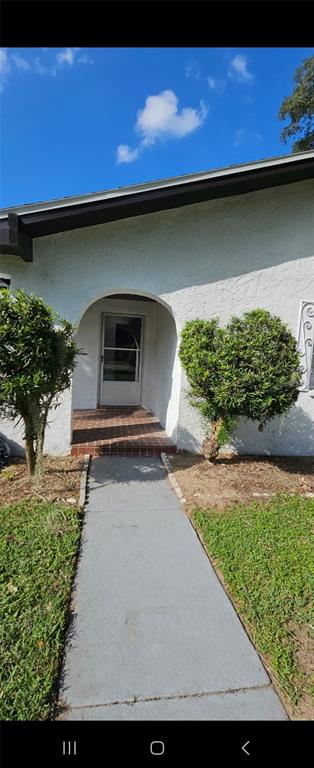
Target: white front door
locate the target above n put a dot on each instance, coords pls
(121, 360)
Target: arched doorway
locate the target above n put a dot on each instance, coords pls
(130, 360)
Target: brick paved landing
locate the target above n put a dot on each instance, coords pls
(124, 430)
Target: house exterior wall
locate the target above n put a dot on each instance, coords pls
(167, 372)
(217, 258)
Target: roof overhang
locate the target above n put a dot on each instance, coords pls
(19, 225)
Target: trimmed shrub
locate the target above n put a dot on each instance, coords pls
(249, 369)
(37, 358)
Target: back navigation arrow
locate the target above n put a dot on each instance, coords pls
(245, 745)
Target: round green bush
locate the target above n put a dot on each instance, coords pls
(249, 369)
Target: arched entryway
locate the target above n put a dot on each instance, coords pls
(126, 386)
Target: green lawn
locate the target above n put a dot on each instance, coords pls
(265, 554)
(38, 546)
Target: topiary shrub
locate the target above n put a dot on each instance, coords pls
(37, 358)
(249, 369)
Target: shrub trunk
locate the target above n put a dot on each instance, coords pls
(30, 456)
(210, 444)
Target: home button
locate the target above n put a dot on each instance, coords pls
(157, 747)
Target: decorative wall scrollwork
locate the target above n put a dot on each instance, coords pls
(306, 342)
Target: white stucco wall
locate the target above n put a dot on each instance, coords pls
(58, 432)
(220, 257)
(165, 390)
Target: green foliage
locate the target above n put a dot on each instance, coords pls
(38, 546)
(37, 359)
(200, 355)
(265, 554)
(260, 364)
(224, 431)
(299, 108)
(249, 369)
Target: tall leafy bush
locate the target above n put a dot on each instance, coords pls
(37, 358)
(250, 369)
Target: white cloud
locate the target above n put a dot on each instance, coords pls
(39, 69)
(246, 137)
(216, 84)
(192, 70)
(125, 154)
(238, 70)
(239, 137)
(4, 62)
(160, 117)
(85, 60)
(20, 62)
(4, 68)
(212, 82)
(67, 56)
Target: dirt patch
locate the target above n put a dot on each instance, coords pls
(60, 481)
(233, 478)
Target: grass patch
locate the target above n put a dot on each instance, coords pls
(266, 557)
(38, 546)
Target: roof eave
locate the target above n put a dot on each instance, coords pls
(18, 229)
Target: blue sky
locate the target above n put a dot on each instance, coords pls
(79, 120)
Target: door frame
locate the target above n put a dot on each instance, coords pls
(102, 336)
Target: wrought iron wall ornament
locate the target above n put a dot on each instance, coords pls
(306, 342)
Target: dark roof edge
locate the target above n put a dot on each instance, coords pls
(18, 229)
(134, 189)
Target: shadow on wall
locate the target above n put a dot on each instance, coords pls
(164, 402)
(14, 448)
(212, 242)
(191, 444)
(217, 240)
(290, 435)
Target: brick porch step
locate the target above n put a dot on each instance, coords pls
(119, 431)
(121, 449)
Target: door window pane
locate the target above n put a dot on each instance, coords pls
(119, 365)
(122, 331)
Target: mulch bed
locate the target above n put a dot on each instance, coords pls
(60, 481)
(235, 478)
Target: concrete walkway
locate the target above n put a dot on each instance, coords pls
(154, 635)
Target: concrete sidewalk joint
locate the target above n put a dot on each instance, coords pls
(202, 694)
(172, 478)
